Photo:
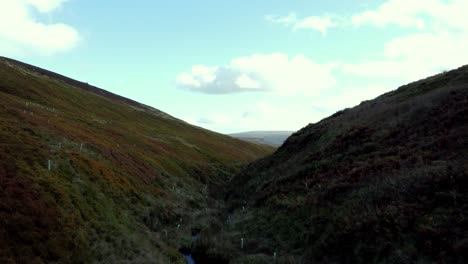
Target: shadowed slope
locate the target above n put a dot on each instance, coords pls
(386, 181)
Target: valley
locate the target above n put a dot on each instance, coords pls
(87, 176)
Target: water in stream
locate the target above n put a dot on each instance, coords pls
(187, 252)
(189, 259)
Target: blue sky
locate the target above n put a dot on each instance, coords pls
(234, 66)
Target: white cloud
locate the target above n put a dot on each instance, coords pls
(244, 81)
(401, 12)
(45, 6)
(22, 32)
(433, 38)
(261, 115)
(404, 70)
(439, 44)
(289, 19)
(320, 24)
(275, 72)
(219, 80)
(430, 51)
(352, 96)
(293, 114)
(200, 76)
(420, 14)
(204, 74)
(215, 119)
(186, 79)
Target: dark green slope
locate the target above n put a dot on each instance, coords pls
(386, 182)
(122, 176)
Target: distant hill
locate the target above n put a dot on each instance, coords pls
(273, 138)
(383, 182)
(88, 176)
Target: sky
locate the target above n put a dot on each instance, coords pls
(233, 66)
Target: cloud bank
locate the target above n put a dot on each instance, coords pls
(277, 73)
(439, 35)
(21, 31)
(433, 37)
(318, 23)
(438, 43)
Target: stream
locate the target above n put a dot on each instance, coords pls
(189, 259)
(187, 252)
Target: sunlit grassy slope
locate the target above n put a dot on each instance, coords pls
(88, 176)
(383, 182)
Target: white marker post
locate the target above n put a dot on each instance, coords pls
(274, 256)
(242, 243)
(178, 226)
(81, 147)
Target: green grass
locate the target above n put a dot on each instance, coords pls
(137, 174)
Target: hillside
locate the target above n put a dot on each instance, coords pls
(272, 138)
(89, 176)
(385, 181)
